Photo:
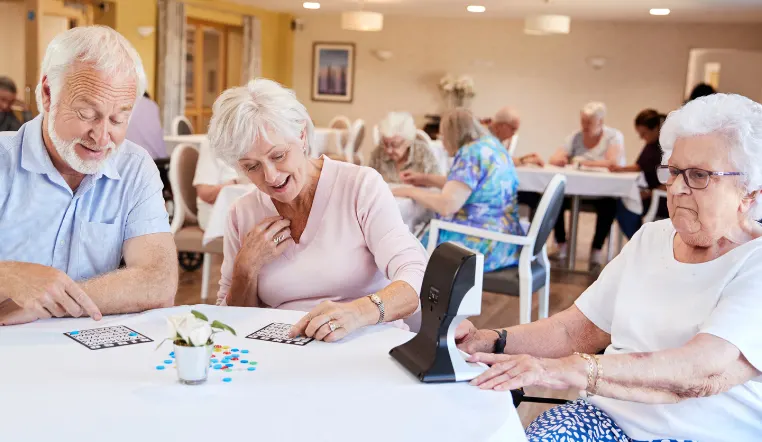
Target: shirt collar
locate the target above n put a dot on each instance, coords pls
(35, 157)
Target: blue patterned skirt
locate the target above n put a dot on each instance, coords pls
(577, 421)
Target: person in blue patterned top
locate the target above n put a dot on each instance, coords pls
(479, 191)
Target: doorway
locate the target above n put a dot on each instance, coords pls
(727, 70)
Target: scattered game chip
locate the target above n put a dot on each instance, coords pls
(133, 334)
(74, 333)
(226, 379)
(227, 347)
(244, 351)
(172, 354)
(252, 368)
(160, 367)
(217, 366)
(227, 370)
(244, 361)
(253, 362)
(168, 361)
(235, 349)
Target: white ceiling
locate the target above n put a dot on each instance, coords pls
(630, 10)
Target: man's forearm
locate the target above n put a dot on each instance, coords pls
(133, 290)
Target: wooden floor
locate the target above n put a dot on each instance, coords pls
(497, 310)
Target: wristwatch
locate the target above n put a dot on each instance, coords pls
(374, 298)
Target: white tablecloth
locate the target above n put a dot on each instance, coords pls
(582, 183)
(173, 140)
(412, 213)
(54, 389)
(329, 141)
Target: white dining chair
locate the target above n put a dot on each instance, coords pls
(376, 136)
(656, 196)
(533, 271)
(181, 126)
(340, 122)
(188, 235)
(354, 142)
(514, 143)
(423, 136)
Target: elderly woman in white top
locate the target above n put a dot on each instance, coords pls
(400, 151)
(595, 145)
(678, 311)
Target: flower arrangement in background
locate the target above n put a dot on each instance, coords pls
(457, 90)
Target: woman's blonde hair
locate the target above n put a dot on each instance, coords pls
(459, 127)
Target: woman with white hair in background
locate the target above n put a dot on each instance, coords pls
(678, 311)
(316, 235)
(400, 151)
(595, 145)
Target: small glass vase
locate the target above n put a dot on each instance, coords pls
(193, 363)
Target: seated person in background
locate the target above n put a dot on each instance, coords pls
(596, 145)
(316, 235)
(400, 150)
(504, 126)
(479, 191)
(648, 125)
(145, 129)
(8, 119)
(677, 311)
(212, 174)
(701, 90)
(76, 198)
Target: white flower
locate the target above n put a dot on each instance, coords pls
(448, 87)
(195, 332)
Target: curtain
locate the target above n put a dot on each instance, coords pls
(171, 69)
(252, 49)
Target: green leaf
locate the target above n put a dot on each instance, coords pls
(221, 326)
(162, 342)
(199, 315)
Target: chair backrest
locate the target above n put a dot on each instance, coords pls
(376, 136)
(181, 126)
(547, 212)
(356, 136)
(340, 122)
(656, 197)
(514, 143)
(182, 168)
(423, 136)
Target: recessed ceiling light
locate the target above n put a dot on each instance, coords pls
(476, 8)
(659, 11)
(311, 5)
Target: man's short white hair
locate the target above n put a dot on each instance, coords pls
(102, 47)
(737, 120)
(506, 115)
(243, 115)
(595, 109)
(398, 124)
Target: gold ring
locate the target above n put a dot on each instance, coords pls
(333, 326)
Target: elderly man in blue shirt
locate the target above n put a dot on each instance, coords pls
(76, 198)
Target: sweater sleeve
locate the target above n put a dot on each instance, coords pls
(397, 253)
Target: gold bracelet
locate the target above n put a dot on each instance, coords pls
(599, 373)
(592, 379)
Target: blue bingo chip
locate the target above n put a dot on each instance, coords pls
(160, 367)
(244, 351)
(217, 366)
(226, 379)
(244, 361)
(252, 368)
(168, 361)
(74, 333)
(133, 334)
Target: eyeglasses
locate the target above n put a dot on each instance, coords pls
(695, 178)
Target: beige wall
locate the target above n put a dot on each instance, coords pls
(740, 71)
(12, 18)
(546, 78)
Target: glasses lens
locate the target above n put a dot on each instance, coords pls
(697, 178)
(664, 174)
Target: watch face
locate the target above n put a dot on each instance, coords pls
(375, 299)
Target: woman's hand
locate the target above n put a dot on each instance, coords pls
(331, 321)
(401, 191)
(532, 158)
(471, 340)
(265, 242)
(413, 178)
(508, 372)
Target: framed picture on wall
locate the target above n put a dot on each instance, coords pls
(333, 72)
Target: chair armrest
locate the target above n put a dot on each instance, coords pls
(437, 225)
(656, 196)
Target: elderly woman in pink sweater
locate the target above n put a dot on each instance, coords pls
(316, 235)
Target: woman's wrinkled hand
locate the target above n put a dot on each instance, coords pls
(510, 372)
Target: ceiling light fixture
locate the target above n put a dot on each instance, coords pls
(547, 24)
(362, 21)
(659, 11)
(475, 8)
(311, 5)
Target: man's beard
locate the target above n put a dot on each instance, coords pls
(67, 150)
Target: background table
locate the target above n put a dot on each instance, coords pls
(583, 184)
(412, 213)
(172, 141)
(329, 141)
(54, 389)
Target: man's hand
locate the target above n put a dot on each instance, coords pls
(12, 314)
(45, 291)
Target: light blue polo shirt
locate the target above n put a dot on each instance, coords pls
(80, 233)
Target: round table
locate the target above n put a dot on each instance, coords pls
(53, 388)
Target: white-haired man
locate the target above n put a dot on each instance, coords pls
(76, 198)
(504, 126)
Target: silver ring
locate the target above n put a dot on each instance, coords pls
(333, 326)
(278, 239)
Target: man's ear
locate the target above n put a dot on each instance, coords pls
(46, 98)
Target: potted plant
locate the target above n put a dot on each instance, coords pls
(193, 338)
(457, 91)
